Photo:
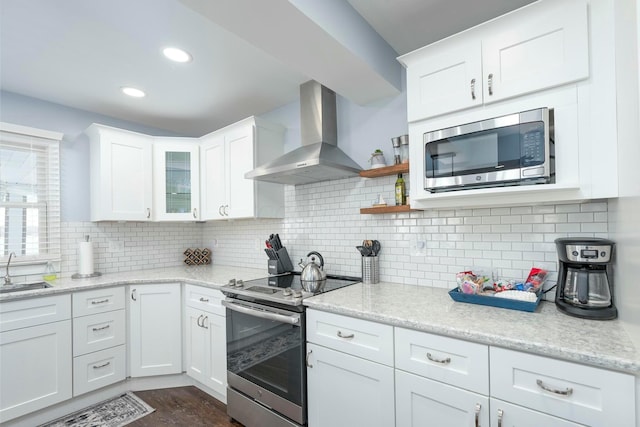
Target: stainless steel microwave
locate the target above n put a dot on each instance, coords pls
(515, 149)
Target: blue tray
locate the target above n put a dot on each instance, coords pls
(511, 304)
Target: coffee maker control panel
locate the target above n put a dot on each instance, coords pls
(589, 254)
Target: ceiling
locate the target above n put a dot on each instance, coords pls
(79, 53)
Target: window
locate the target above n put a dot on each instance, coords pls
(29, 193)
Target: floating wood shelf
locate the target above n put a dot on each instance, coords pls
(386, 209)
(385, 171)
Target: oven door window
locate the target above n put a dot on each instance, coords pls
(485, 151)
(268, 353)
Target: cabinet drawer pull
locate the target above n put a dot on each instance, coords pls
(500, 415)
(473, 88)
(441, 361)
(203, 299)
(199, 321)
(102, 301)
(566, 392)
(204, 322)
(220, 210)
(101, 328)
(101, 366)
(478, 407)
(133, 295)
(195, 213)
(341, 335)
(307, 359)
(148, 213)
(490, 83)
(226, 210)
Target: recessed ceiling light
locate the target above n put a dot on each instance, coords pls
(132, 91)
(177, 55)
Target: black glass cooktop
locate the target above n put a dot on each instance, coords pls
(292, 280)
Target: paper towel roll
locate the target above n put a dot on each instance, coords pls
(85, 258)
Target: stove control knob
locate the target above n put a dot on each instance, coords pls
(232, 282)
(297, 293)
(239, 283)
(287, 292)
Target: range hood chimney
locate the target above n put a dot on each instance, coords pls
(319, 158)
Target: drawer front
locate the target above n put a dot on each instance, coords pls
(95, 370)
(98, 332)
(34, 311)
(582, 394)
(362, 338)
(204, 299)
(459, 363)
(98, 301)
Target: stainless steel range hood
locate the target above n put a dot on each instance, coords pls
(319, 158)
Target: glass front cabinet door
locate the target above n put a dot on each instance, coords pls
(176, 180)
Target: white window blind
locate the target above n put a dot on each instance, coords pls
(29, 193)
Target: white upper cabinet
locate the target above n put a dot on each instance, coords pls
(534, 48)
(120, 174)
(227, 155)
(176, 179)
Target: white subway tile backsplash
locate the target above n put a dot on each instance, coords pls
(325, 217)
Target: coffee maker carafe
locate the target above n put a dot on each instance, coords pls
(585, 278)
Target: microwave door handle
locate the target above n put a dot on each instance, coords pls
(292, 320)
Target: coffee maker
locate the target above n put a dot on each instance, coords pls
(585, 278)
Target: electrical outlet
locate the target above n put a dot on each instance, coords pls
(116, 246)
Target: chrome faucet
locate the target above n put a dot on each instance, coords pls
(7, 278)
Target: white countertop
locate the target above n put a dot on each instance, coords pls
(207, 275)
(546, 332)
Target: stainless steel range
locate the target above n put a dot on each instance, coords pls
(266, 370)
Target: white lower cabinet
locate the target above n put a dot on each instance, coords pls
(426, 403)
(345, 390)
(349, 371)
(206, 338)
(155, 331)
(99, 369)
(35, 354)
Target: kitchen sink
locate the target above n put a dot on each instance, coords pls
(23, 287)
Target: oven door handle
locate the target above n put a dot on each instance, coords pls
(293, 319)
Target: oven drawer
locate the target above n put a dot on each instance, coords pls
(578, 393)
(206, 299)
(98, 301)
(459, 363)
(362, 338)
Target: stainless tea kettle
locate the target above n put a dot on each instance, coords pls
(312, 277)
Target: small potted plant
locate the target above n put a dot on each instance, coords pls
(377, 159)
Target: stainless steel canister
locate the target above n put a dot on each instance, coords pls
(370, 270)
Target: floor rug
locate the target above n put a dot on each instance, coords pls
(117, 411)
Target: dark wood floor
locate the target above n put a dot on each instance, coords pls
(183, 406)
